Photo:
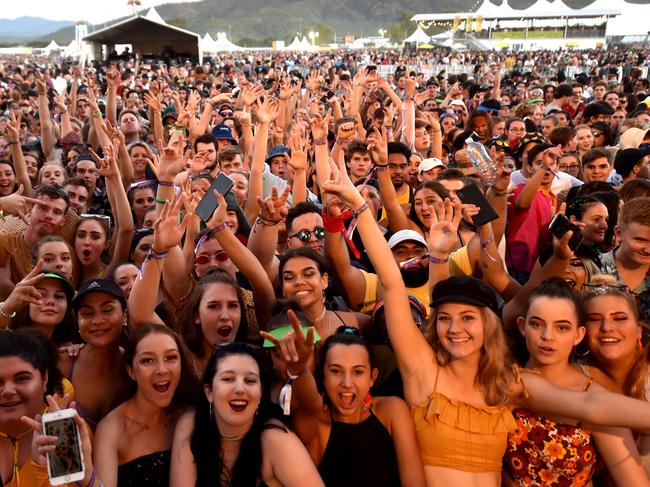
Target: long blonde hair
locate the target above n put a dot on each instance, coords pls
(494, 376)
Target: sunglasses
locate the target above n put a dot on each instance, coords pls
(203, 259)
(413, 263)
(603, 289)
(142, 184)
(92, 216)
(597, 134)
(225, 114)
(305, 235)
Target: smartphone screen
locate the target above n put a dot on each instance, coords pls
(560, 225)
(222, 184)
(472, 195)
(66, 459)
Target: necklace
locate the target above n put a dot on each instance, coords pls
(321, 316)
(232, 438)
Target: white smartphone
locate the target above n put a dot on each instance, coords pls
(65, 464)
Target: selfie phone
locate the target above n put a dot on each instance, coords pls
(560, 225)
(65, 464)
(222, 184)
(371, 68)
(472, 195)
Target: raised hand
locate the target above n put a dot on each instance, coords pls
(17, 204)
(320, 126)
(219, 215)
(171, 159)
(250, 94)
(25, 292)
(268, 110)
(298, 160)
(274, 208)
(153, 101)
(295, 348)
(341, 186)
(167, 232)
(346, 131)
(108, 164)
(13, 128)
(378, 146)
(113, 77)
(443, 232)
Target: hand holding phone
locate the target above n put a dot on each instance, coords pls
(472, 195)
(222, 184)
(560, 225)
(65, 464)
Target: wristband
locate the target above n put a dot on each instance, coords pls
(436, 260)
(218, 228)
(267, 223)
(93, 478)
(362, 208)
(320, 142)
(484, 246)
(152, 254)
(161, 201)
(285, 393)
(207, 235)
(381, 167)
(166, 183)
(341, 142)
(5, 314)
(97, 114)
(12, 142)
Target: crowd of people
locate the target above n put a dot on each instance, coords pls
(344, 316)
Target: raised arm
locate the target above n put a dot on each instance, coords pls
(306, 402)
(45, 119)
(17, 157)
(263, 240)
(167, 235)
(112, 80)
(244, 260)
(415, 357)
(124, 227)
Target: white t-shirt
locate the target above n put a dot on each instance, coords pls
(562, 182)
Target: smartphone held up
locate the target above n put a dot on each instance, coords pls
(65, 464)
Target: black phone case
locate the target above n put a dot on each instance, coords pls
(222, 184)
(472, 195)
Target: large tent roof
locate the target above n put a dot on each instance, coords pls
(137, 27)
(540, 9)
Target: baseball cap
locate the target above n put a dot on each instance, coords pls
(98, 286)
(222, 132)
(276, 151)
(465, 289)
(632, 138)
(595, 109)
(428, 164)
(459, 103)
(405, 236)
(67, 285)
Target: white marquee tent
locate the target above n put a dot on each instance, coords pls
(418, 36)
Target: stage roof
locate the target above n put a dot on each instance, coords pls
(519, 14)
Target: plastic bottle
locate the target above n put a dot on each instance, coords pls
(480, 159)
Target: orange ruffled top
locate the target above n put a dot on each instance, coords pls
(457, 435)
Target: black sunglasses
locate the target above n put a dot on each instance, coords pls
(305, 235)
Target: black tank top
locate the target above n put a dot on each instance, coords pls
(360, 454)
(151, 470)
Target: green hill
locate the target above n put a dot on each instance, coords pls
(256, 22)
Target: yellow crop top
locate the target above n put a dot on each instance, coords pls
(457, 435)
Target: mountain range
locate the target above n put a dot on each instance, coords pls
(250, 21)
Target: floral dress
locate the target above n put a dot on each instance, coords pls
(546, 453)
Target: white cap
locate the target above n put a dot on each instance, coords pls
(406, 235)
(428, 164)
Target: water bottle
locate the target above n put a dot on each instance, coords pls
(480, 159)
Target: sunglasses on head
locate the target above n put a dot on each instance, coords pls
(203, 259)
(599, 289)
(305, 235)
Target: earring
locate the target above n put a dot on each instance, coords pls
(366, 402)
(211, 415)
